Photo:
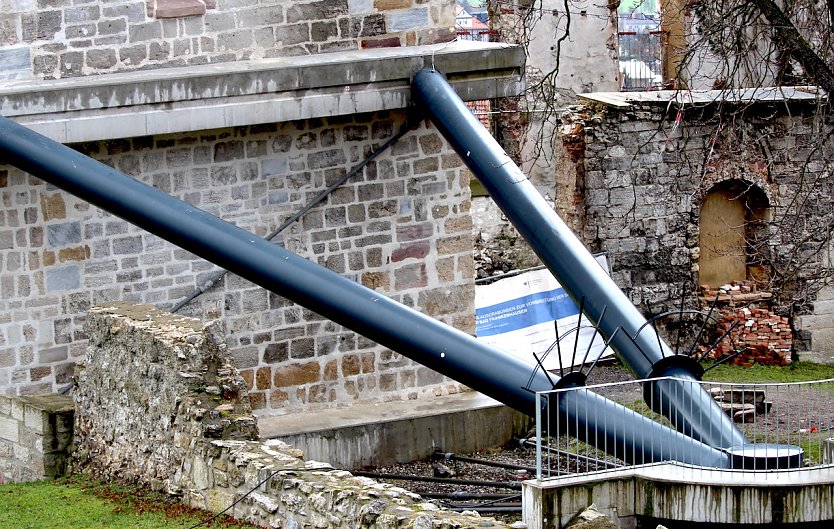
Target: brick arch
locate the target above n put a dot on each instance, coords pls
(752, 176)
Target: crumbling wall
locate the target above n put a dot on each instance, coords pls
(499, 248)
(556, 71)
(648, 167)
(159, 402)
(150, 386)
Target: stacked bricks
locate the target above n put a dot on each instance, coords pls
(62, 38)
(732, 289)
(766, 338)
(401, 226)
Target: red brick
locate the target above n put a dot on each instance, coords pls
(410, 251)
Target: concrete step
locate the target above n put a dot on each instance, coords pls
(397, 432)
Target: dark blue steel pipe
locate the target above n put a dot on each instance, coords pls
(604, 424)
(573, 265)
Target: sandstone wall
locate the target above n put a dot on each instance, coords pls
(62, 38)
(401, 226)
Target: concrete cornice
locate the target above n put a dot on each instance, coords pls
(234, 94)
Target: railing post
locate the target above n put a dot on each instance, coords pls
(538, 436)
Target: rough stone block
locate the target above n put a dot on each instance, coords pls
(360, 7)
(63, 233)
(35, 419)
(318, 10)
(6, 240)
(179, 8)
(15, 58)
(292, 34)
(145, 32)
(9, 429)
(297, 374)
(415, 18)
(63, 278)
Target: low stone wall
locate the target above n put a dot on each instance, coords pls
(35, 437)
(290, 492)
(159, 402)
(151, 387)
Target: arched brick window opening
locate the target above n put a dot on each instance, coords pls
(733, 231)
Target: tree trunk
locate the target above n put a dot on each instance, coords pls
(794, 44)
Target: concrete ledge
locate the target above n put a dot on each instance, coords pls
(672, 491)
(232, 94)
(397, 432)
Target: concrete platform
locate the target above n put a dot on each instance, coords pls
(397, 432)
(671, 491)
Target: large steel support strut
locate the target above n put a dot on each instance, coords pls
(590, 417)
(690, 409)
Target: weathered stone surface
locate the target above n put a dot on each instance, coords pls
(591, 518)
(235, 30)
(56, 257)
(157, 392)
(642, 177)
(159, 380)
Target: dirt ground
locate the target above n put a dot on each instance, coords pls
(501, 498)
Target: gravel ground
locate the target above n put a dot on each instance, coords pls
(792, 411)
(513, 454)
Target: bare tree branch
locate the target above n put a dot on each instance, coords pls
(788, 38)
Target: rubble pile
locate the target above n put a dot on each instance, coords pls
(730, 289)
(766, 337)
(741, 404)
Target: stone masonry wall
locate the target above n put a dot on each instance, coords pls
(401, 226)
(35, 437)
(63, 38)
(644, 177)
(159, 403)
(149, 385)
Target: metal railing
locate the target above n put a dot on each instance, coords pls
(477, 34)
(799, 414)
(640, 49)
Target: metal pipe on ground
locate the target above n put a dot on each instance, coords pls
(466, 496)
(571, 455)
(639, 347)
(512, 485)
(410, 333)
(488, 509)
(448, 456)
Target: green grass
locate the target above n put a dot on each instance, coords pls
(82, 504)
(795, 372)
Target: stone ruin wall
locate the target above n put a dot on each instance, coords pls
(159, 402)
(150, 385)
(35, 437)
(402, 226)
(62, 38)
(642, 177)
